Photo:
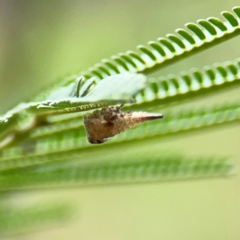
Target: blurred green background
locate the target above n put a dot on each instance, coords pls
(44, 41)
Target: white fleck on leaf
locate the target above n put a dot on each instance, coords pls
(120, 86)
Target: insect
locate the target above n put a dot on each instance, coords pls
(110, 121)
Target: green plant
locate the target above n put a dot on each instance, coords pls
(43, 142)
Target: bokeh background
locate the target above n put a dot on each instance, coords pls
(43, 41)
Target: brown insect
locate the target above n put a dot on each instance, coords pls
(107, 122)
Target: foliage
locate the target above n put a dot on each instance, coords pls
(43, 142)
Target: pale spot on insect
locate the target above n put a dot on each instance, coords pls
(110, 121)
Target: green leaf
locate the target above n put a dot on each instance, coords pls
(152, 168)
